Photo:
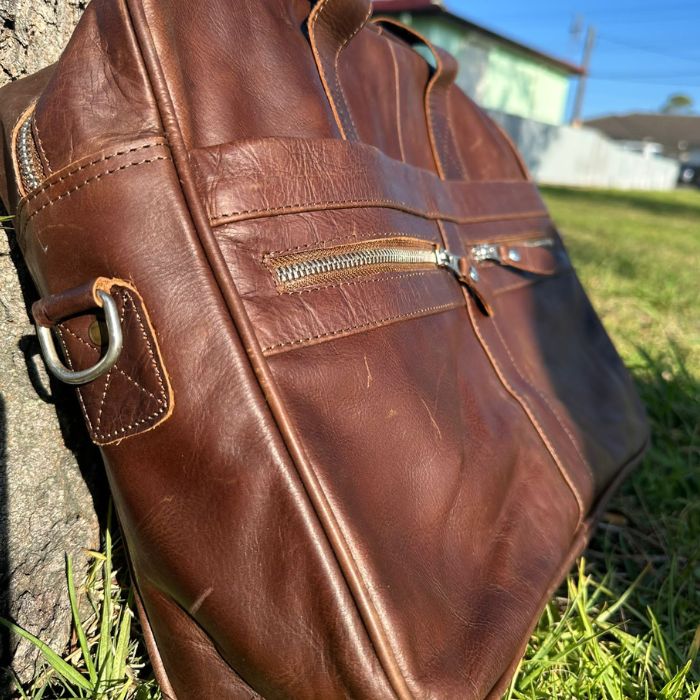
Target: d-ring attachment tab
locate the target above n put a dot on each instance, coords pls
(114, 347)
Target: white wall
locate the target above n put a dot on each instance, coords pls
(564, 155)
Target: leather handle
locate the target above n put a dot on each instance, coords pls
(436, 101)
(332, 24)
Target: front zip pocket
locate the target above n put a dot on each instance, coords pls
(302, 270)
(296, 271)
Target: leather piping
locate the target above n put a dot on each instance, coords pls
(222, 276)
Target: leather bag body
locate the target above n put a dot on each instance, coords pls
(364, 415)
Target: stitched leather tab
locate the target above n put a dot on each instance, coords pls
(135, 395)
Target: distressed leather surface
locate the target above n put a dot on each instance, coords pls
(366, 488)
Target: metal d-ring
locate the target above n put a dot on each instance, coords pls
(114, 347)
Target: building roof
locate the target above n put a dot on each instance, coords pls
(677, 133)
(435, 7)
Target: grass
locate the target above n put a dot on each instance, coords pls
(105, 658)
(626, 623)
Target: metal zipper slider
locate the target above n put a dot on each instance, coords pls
(486, 251)
(444, 258)
(466, 274)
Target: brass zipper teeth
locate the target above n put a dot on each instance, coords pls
(28, 169)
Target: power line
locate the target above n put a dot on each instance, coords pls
(647, 49)
(635, 81)
(647, 76)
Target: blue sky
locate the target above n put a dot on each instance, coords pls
(645, 50)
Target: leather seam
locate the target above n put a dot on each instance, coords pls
(91, 179)
(102, 402)
(301, 207)
(337, 239)
(579, 539)
(348, 568)
(373, 280)
(365, 326)
(52, 183)
(527, 235)
(154, 365)
(168, 599)
(524, 283)
(529, 412)
(532, 386)
(332, 87)
(149, 346)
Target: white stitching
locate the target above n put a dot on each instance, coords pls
(126, 297)
(119, 369)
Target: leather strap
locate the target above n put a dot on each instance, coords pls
(266, 177)
(436, 100)
(332, 24)
(54, 308)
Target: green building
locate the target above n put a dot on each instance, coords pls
(497, 72)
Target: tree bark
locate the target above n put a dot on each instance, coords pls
(48, 469)
(33, 34)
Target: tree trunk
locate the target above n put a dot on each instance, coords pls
(46, 464)
(33, 34)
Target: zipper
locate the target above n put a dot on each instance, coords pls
(30, 170)
(508, 252)
(302, 270)
(346, 262)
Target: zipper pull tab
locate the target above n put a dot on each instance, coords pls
(467, 274)
(444, 258)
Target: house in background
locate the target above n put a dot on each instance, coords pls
(677, 136)
(499, 73)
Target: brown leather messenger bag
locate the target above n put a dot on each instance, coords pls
(357, 413)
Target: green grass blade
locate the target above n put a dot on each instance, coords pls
(121, 654)
(78, 624)
(63, 669)
(104, 656)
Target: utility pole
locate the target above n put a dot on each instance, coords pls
(581, 88)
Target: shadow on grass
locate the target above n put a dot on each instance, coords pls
(652, 528)
(682, 203)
